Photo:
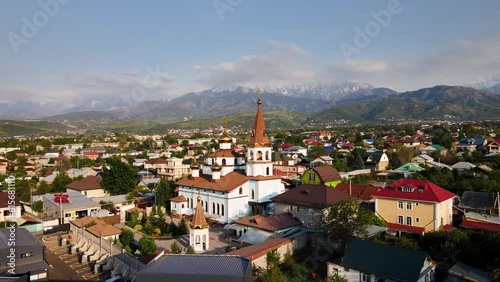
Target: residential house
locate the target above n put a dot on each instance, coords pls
(95, 226)
(258, 228)
(363, 192)
(376, 160)
(196, 150)
(308, 201)
(83, 172)
(29, 262)
(414, 206)
(470, 144)
(73, 204)
(493, 146)
(221, 268)
(430, 149)
(174, 169)
(369, 261)
(480, 210)
(429, 161)
(10, 208)
(461, 272)
(324, 175)
(4, 164)
(89, 186)
(30, 168)
(295, 151)
(285, 166)
(258, 253)
(322, 159)
(409, 142)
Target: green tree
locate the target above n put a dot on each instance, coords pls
(147, 245)
(127, 237)
(119, 178)
(182, 228)
(164, 192)
(37, 206)
(336, 278)
(43, 188)
(21, 172)
(60, 182)
(175, 248)
(343, 220)
(190, 250)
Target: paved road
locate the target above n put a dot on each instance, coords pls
(64, 266)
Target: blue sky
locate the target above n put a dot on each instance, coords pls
(104, 48)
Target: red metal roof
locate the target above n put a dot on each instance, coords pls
(406, 228)
(480, 225)
(423, 190)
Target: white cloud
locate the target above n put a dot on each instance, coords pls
(150, 84)
(467, 61)
(280, 64)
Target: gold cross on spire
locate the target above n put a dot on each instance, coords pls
(258, 100)
(258, 90)
(225, 123)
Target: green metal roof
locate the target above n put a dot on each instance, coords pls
(383, 260)
(410, 167)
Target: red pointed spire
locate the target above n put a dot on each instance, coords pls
(259, 136)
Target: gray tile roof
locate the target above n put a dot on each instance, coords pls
(196, 265)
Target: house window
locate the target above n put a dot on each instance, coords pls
(310, 211)
(365, 277)
(241, 190)
(400, 205)
(297, 208)
(408, 220)
(312, 176)
(417, 219)
(408, 205)
(310, 224)
(291, 208)
(400, 219)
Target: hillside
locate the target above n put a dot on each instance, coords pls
(14, 128)
(436, 103)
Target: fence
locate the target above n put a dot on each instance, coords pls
(107, 245)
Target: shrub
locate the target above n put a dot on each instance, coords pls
(138, 227)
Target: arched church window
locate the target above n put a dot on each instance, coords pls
(267, 171)
(251, 155)
(213, 208)
(253, 194)
(223, 161)
(222, 209)
(259, 155)
(267, 155)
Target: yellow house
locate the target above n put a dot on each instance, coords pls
(414, 206)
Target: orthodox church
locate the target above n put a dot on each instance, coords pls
(229, 189)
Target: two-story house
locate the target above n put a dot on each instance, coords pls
(323, 175)
(308, 201)
(414, 206)
(89, 186)
(376, 160)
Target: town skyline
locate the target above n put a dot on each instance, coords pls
(54, 50)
